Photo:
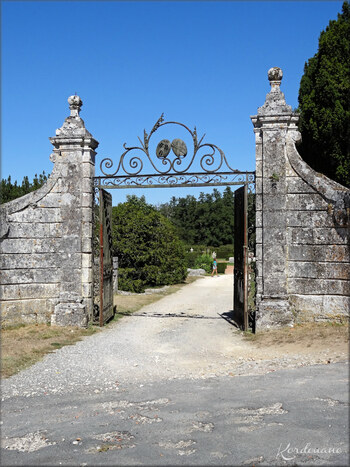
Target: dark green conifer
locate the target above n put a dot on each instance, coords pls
(324, 102)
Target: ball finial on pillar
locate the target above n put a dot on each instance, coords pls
(275, 76)
(75, 104)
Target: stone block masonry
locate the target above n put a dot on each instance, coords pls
(303, 225)
(46, 256)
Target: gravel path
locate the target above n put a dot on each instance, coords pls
(180, 336)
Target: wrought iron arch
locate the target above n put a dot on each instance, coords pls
(177, 166)
(172, 166)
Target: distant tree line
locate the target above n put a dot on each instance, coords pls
(11, 190)
(207, 220)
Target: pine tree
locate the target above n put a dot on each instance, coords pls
(10, 191)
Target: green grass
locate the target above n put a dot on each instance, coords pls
(23, 345)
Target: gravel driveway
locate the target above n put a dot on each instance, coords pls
(180, 336)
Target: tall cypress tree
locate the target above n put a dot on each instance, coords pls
(324, 100)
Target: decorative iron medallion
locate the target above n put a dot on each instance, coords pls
(179, 148)
(163, 148)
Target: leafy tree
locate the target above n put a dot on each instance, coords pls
(149, 250)
(10, 191)
(324, 99)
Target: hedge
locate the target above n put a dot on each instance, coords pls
(222, 268)
(224, 251)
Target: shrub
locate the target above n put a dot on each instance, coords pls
(197, 251)
(204, 262)
(149, 251)
(128, 279)
(190, 259)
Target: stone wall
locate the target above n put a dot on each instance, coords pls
(46, 248)
(302, 219)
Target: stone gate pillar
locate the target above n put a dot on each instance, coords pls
(74, 158)
(271, 125)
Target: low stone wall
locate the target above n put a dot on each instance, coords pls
(30, 237)
(46, 248)
(302, 225)
(318, 265)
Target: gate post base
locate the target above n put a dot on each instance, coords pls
(273, 313)
(70, 314)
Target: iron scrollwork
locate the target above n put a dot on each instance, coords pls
(133, 167)
(169, 180)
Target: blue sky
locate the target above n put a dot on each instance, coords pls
(203, 64)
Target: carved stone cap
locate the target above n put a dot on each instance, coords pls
(73, 125)
(275, 103)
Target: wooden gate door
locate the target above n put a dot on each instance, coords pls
(240, 287)
(106, 260)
